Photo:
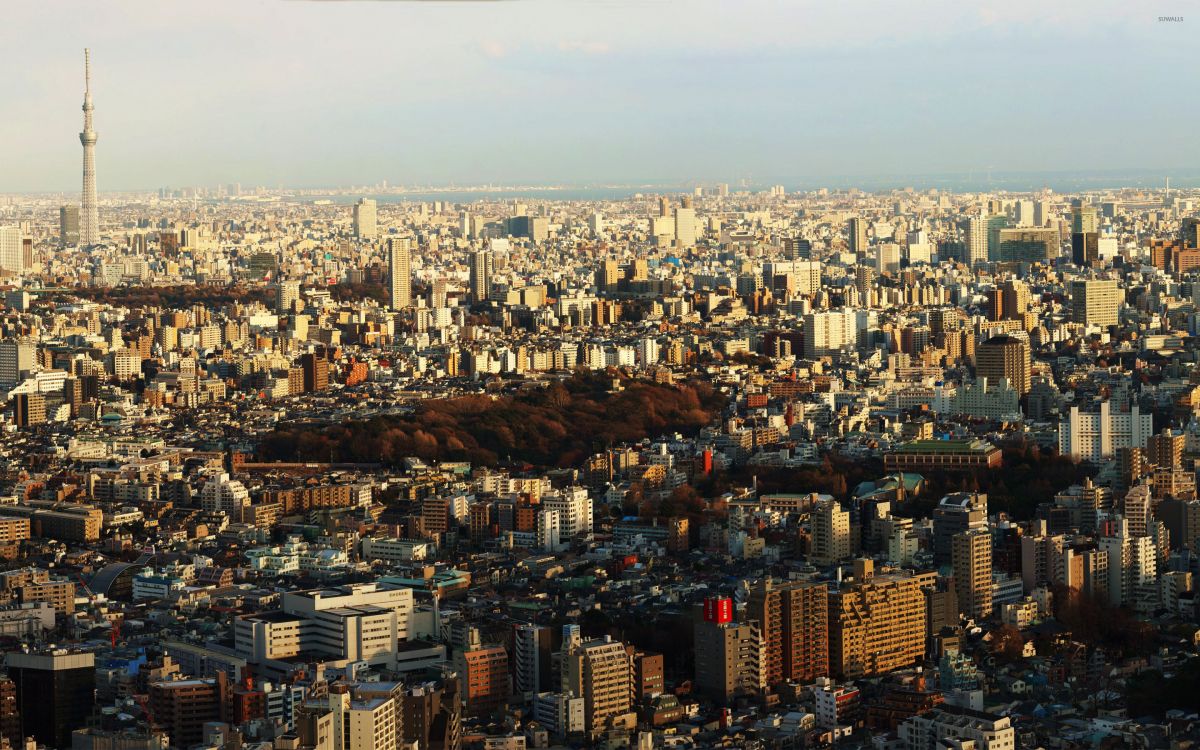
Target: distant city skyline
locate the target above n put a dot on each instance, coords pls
(584, 93)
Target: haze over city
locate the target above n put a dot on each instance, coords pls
(572, 374)
(317, 93)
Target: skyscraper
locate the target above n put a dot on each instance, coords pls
(365, 227)
(977, 251)
(89, 224)
(858, 235)
(400, 272)
(68, 226)
(481, 275)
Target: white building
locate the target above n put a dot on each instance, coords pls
(224, 494)
(952, 727)
(359, 622)
(1096, 435)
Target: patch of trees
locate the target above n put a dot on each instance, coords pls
(556, 426)
(1153, 693)
(181, 296)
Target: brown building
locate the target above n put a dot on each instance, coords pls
(29, 409)
(794, 623)
(728, 660)
(316, 372)
(31, 585)
(182, 707)
(647, 674)
(943, 455)
(13, 529)
(1004, 357)
(484, 672)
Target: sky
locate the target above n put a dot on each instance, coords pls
(313, 93)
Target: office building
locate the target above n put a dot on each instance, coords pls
(365, 227)
(68, 226)
(18, 359)
(857, 227)
(1085, 248)
(1095, 302)
(29, 409)
(400, 272)
(794, 625)
(1004, 357)
(480, 275)
(56, 693)
(287, 294)
(1027, 245)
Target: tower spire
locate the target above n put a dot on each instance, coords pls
(89, 217)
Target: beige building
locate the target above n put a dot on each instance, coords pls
(877, 624)
(971, 553)
(1095, 301)
(601, 671)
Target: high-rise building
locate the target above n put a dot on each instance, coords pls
(601, 672)
(976, 241)
(794, 624)
(728, 660)
(1004, 357)
(365, 226)
(532, 671)
(971, 555)
(484, 674)
(29, 409)
(858, 234)
(316, 371)
(1099, 432)
(12, 249)
(1026, 245)
(685, 225)
(1095, 301)
(17, 361)
(877, 624)
(954, 514)
(1084, 219)
(400, 272)
(183, 707)
(830, 529)
(68, 226)
(89, 215)
(287, 294)
(481, 275)
(1085, 248)
(55, 693)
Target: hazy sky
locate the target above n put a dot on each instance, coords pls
(341, 92)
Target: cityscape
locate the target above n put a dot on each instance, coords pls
(576, 447)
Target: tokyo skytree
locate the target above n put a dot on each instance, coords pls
(89, 216)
